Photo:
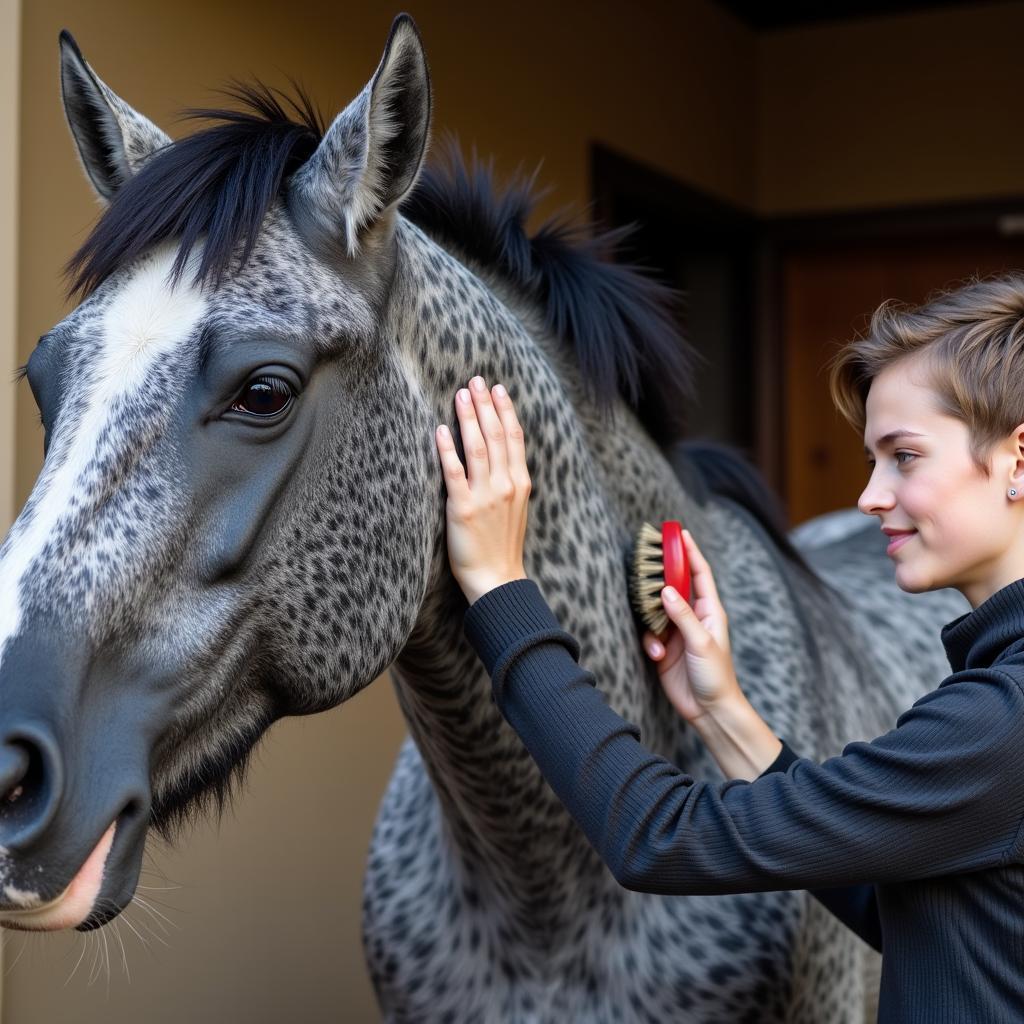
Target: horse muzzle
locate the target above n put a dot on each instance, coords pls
(74, 786)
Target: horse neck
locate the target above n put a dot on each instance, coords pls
(592, 487)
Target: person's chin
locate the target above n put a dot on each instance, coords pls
(911, 579)
(909, 585)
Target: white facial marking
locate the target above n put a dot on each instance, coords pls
(144, 322)
(21, 897)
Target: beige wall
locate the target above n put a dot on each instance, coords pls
(267, 921)
(902, 109)
(10, 91)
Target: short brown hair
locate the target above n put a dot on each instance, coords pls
(972, 341)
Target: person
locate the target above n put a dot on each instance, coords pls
(914, 839)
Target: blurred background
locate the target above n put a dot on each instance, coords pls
(787, 169)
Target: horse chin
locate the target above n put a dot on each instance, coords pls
(101, 888)
(73, 907)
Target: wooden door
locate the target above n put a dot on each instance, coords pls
(827, 293)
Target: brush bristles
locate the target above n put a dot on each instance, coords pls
(648, 578)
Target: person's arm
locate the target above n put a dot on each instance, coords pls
(855, 905)
(931, 797)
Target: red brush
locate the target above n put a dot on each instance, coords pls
(659, 560)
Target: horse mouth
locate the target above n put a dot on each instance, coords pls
(68, 910)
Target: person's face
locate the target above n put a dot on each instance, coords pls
(966, 528)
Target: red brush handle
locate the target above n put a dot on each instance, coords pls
(673, 555)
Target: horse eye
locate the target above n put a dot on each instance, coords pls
(264, 396)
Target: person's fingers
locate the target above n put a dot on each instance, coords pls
(514, 438)
(703, 578)
(491, 427)
(451, 465)
(695, 635)
(653, 646)
(473, 444)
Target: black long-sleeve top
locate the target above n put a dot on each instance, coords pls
(918, 831)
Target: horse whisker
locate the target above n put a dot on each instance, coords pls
(81, 956)
(139, 935)
(106, 957)
(18, 957)
(124, 955)
(151, 932)
(93, 969)
(156, 913)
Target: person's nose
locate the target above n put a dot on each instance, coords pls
(876, 497)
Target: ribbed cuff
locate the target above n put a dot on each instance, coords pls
(509, 620)
(785, 758)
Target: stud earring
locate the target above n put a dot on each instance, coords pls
(1012, 492)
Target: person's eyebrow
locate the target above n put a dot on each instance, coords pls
(892, 436)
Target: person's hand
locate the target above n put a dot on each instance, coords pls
(486, 512)
(696, 671)
(694, 662)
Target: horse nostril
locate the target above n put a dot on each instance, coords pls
(15, 765)
(30, 785)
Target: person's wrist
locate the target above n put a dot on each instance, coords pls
(475, 588)
(738, 737)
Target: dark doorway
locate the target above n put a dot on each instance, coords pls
(705, 249)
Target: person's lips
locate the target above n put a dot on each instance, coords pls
(898, 539)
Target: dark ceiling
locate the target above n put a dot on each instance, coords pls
(762, 15)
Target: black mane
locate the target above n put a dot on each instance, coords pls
(618, 318)
(219, 181)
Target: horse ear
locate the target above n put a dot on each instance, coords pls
(370, 156)
(112, 138)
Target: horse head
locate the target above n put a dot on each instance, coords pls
(227, 528)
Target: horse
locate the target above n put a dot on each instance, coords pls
(240, 516)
